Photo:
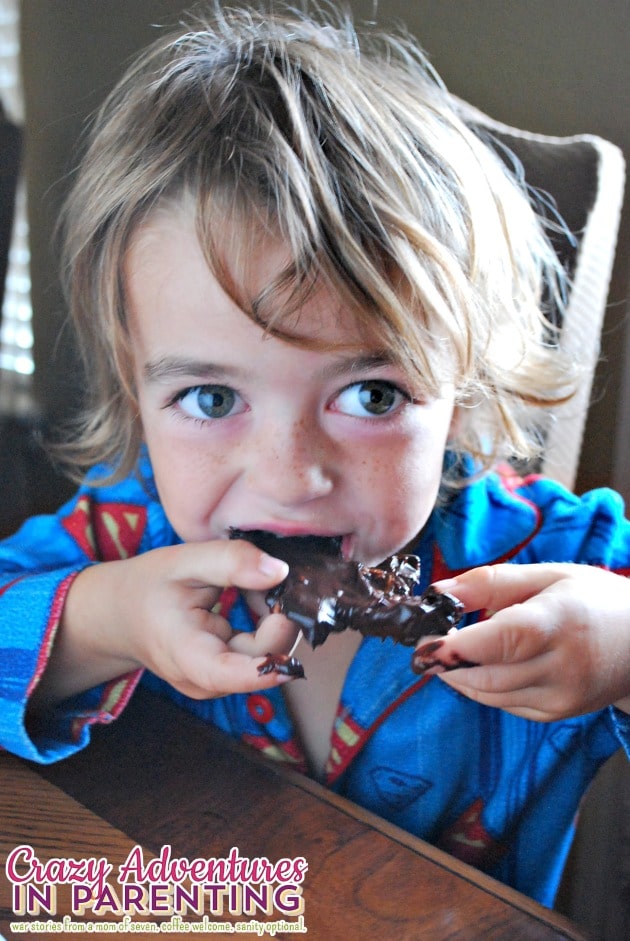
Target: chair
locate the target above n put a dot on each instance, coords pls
(584, 177)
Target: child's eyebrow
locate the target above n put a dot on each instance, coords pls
(173, 367)
(358, 363)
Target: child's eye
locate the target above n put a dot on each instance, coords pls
(210, 402)
(372, 397)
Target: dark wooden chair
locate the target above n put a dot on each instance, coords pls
(581, 181)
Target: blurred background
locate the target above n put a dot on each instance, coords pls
(558, 67)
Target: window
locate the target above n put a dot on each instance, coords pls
(16, 335)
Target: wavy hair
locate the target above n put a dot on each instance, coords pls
(349, 148)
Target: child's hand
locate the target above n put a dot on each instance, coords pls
(556, 642)
(155, 611)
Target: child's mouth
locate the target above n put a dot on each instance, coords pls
(291, 548)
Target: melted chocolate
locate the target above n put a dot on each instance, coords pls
(324, 593)
(283, 664)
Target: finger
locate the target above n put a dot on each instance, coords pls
(529, 692)
(493, 587)
(211, 672)
(514, 635)
(275, 634)
(504, 679)
(214, 624)
(227, 562)
(529, 702)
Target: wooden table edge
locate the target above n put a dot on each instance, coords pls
(437, 856)
(492, 887)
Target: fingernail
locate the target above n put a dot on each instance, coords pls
(423, 658)
(284, 666)
(424, 663)
(272, 567)
(445, 584)
(425, 667)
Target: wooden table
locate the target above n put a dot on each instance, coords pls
(159, 777)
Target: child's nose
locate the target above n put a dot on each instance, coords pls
(293, 465)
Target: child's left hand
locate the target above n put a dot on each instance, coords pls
(556, 642)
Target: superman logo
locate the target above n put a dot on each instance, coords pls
(398, 789)
(467, 839)
(279, 751)
(106, 531)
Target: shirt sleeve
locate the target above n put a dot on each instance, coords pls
(37, 567)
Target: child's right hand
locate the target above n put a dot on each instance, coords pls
(155, 611)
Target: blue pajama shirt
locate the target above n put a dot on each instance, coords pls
(495, 790)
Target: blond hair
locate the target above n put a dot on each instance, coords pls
(352, 151)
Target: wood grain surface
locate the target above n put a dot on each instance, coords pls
(158, 777)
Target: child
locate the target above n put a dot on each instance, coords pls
(309, 300)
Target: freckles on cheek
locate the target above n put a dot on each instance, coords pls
(191, 481)
(415, 484)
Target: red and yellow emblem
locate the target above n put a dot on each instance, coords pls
(106, 531)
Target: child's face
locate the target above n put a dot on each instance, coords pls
(250, 431)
